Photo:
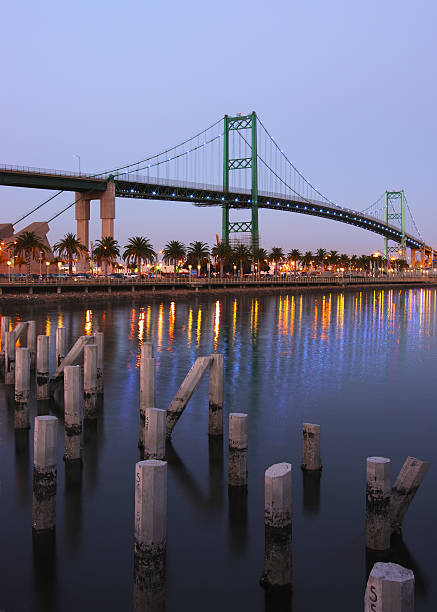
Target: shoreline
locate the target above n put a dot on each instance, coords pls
(79, 297)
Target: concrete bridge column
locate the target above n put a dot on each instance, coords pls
(413, 258)
(107, 210)
(82, 207)
(422, 258)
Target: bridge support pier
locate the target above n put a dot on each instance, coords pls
(413, 258)
(107, 215)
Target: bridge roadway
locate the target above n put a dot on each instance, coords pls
(138, 186)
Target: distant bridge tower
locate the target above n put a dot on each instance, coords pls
(395, 200)
(237, 124)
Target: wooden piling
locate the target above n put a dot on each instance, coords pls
(61, 345)
(42, 368)
(185, 392)
(390, 588)
(147, 392)
(100, 342)
(5, 325)
(10, 344)
(150, 529)
(90, 380)
(277, 523)
(44, 473)
(154, 439)
(237, 473)
(22, 389)
(216, 378)
(73, 412)
(378, 489)
(311, 447)
(31, 343)
(404, 489)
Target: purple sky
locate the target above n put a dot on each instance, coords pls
(348, 89)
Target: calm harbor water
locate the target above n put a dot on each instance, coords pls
(362, 364)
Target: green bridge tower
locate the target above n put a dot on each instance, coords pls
(397, 200)
(240, 123)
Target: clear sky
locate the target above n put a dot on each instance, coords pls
(347, 88)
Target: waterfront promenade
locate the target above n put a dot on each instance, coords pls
(109, 285)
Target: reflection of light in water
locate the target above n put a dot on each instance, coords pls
(160, 324)
(48, 326)
(171, 320)
(300, 313)
(280, 315)
(285, 317)
(88, 322)
(340, 312)
(141, 319)
(255, 319)
(234, 319)
(190, 325)
(292, 314)
(315, 318)
(199, 326)
(216, 323)
(326, 317)
(148, 317)
(132, 324)
(60, 320)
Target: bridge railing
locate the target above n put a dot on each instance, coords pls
(226, 280)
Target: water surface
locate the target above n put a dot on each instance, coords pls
(362, 364)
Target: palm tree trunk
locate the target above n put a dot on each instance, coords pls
(241, 268)
(28, 264)
(70, 266)
(138, 268)
(221, 268)
(174, 269)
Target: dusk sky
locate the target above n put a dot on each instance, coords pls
(348, 89)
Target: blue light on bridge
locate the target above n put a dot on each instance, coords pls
(191, 195)
(153, 192)
(173, 194)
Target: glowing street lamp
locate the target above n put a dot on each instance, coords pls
(235, 268)
(59, 269)
(9, 262)
(47, 270)
(198, 270)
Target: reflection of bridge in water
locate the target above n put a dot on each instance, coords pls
(234, 164)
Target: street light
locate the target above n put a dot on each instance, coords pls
(198, 270)
(9, 269)
(78, 158)
(59, 269)
(235, 268)
(47, 270)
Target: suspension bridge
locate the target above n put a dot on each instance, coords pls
(234, 163)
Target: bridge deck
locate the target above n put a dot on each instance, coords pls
(129, 186)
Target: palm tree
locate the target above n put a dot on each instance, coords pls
(259, 255)
(198, 252)
(222, 252)
(29, 246)
(307, 259)
(173, 251)
(320, 256)
(353, 262)
(107, 250)
(276, 255)
(69, 246)
(294, 255)
(242, 255)
(138, 249)
(333, 258)
(343, 260)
